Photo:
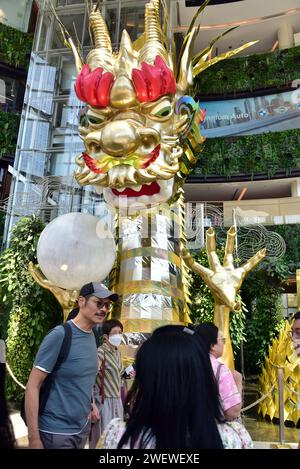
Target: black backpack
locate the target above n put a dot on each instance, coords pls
(47, 383)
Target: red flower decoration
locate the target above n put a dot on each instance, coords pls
(94, 87)
(153, 81)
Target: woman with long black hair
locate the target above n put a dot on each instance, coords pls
(174, 399)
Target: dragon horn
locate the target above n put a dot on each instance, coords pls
(153, 34)
(101, 55)
(99, 30)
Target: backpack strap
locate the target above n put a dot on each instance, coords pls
(46, 386)
(62, 356)
(65, 346)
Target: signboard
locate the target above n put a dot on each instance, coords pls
(252, 115)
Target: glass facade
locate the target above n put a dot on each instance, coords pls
(15, 13)
(48, 142)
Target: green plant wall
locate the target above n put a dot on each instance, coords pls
(15, 46)
(264, 318)
(263, 153)
(255, 72)
(9, 125)
(28, 311)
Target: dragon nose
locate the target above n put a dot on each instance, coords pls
(119, 138)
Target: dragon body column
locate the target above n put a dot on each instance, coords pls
(151, 277)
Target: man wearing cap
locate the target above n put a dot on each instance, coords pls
(64, 422)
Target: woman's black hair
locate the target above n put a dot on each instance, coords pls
(175, 398)
(207, 332)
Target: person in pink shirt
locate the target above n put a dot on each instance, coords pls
(229, 382)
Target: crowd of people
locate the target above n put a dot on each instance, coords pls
(182, 395)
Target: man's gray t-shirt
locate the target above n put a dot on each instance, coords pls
(69, 401)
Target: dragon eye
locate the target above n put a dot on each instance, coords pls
(163, 111)
(95, 120)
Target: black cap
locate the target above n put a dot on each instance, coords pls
(99, 290)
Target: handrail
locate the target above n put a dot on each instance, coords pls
(258, 400)
(13, 376)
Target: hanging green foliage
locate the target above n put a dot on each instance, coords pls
(262, 294)
(262, 291)
(250, 154)
(31, 310)
(247, 74)
(9, 125)
(15, 46)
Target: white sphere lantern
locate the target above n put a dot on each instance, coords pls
(75, 249)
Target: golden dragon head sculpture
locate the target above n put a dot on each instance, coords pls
(139, 127)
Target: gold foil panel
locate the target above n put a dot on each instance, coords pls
(150, 270)
(153, 252)
(148, 286)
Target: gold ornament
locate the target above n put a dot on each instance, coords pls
(281, 353)
(66, 298)
(224, 282)
(141, 134)
(128, 127)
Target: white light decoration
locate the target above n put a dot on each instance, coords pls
(75, 249)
